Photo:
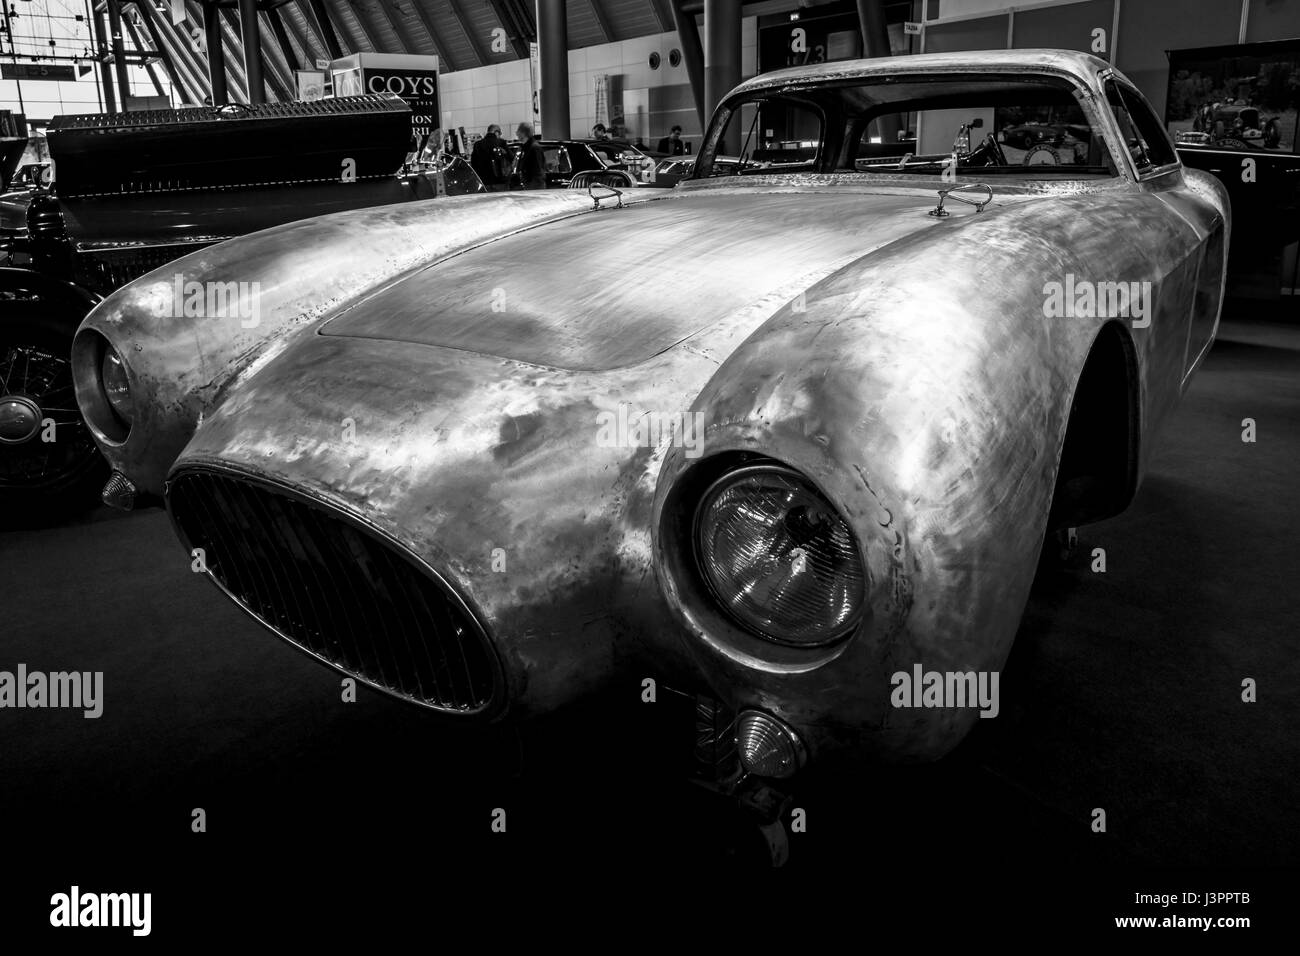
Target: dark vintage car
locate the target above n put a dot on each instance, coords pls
(792, 437)
(136, 190)
(616, 164)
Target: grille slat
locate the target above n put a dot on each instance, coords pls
(409, 624)
(442, 666)
(336, 589)
(227, 552)
(380, 639)
(294, 612)
(342, 645)
(346, 637)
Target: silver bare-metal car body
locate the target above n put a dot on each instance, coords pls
(426, 456)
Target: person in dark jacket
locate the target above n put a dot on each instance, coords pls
(491, 160)
(532, 160)
(672, 143)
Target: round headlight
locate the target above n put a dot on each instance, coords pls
(778, 557)
(117, 388)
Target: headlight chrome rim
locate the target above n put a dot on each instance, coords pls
(116, 384)
(832, 636)
(106, 424)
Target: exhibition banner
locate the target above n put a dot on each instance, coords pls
(535, 79)
(413, 78)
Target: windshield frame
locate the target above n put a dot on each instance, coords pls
(1095, 112)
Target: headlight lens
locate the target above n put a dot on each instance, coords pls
(117, 388)
(778, 558)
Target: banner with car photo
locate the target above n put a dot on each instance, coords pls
(1244, 97)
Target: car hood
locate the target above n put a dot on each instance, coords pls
(594, 293)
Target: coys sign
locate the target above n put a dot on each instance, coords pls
(420, 90)
(413, 78)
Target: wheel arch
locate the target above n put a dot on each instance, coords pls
(1098, 466)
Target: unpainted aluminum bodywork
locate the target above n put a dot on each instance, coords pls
(438, 371)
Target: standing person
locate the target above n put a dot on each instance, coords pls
(672, 143)
(491, 160)
(532, 160)
(599, 132)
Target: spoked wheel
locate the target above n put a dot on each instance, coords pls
(49, 465)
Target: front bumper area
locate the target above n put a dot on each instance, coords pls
(337, 589)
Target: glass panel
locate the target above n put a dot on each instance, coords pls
(958, 126)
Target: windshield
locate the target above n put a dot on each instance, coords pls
(957, 127)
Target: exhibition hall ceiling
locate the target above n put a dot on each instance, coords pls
(464, 34)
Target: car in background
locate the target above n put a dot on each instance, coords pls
(674, 169)
(637, 160)
(565, 158)
(137, 190)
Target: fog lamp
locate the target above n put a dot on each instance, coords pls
(768, 748)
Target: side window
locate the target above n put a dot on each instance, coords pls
(581, 158)
(1141, 133)
(557, 160)
(772, 133)
(1159, 149)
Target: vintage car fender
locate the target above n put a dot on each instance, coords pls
(932, 414)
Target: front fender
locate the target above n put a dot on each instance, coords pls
(931, 414)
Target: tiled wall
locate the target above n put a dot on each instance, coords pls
(501, 93)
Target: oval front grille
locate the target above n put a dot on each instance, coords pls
(340, 592)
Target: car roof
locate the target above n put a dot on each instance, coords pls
(1082, 67)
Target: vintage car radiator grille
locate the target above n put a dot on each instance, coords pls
(341, 593)
(107, 270)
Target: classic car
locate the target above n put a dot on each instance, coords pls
(673, 169)
(790, 435)
(602, 160)
(640, 161)
(135, 190)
